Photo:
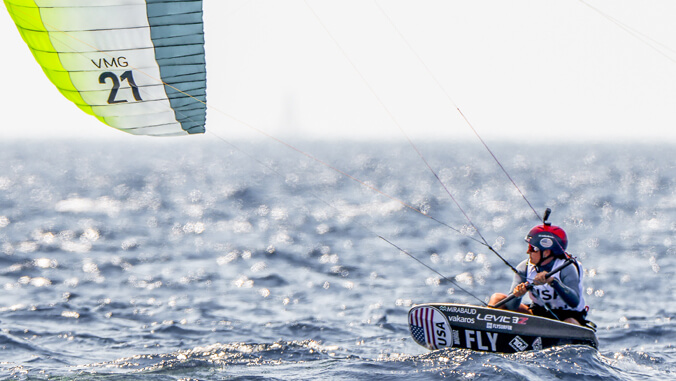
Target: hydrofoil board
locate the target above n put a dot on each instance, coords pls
(441, 325)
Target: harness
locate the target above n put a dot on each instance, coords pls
(546, 296)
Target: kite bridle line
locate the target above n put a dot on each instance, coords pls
(266, 134)
(373, 188)
(160, 81)
(413, 145)
(442, 276)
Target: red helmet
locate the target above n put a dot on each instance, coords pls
(548, 237)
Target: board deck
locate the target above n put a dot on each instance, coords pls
(441, 325)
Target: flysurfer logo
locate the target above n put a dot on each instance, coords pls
(499, 326)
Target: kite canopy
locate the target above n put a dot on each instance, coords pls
(137, 65)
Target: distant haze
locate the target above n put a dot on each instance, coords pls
(519, 70)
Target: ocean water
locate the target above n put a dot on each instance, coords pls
(190, 259)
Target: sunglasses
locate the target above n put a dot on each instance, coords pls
(532, 248)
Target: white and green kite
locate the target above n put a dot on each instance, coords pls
(137, 65)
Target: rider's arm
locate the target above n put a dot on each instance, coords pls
(518, 279)
(568, 288)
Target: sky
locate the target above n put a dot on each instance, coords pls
(524, 71)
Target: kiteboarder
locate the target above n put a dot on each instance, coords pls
(559, 296)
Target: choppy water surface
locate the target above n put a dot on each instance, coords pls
(172, 260)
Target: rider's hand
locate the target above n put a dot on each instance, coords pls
(540, 278)
(520, 290)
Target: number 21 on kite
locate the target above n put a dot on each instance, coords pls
(126, 76)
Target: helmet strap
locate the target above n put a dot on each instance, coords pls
(542, 258)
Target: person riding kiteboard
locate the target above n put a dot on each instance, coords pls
(559, 296)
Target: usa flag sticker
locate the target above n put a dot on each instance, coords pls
(429, 327)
